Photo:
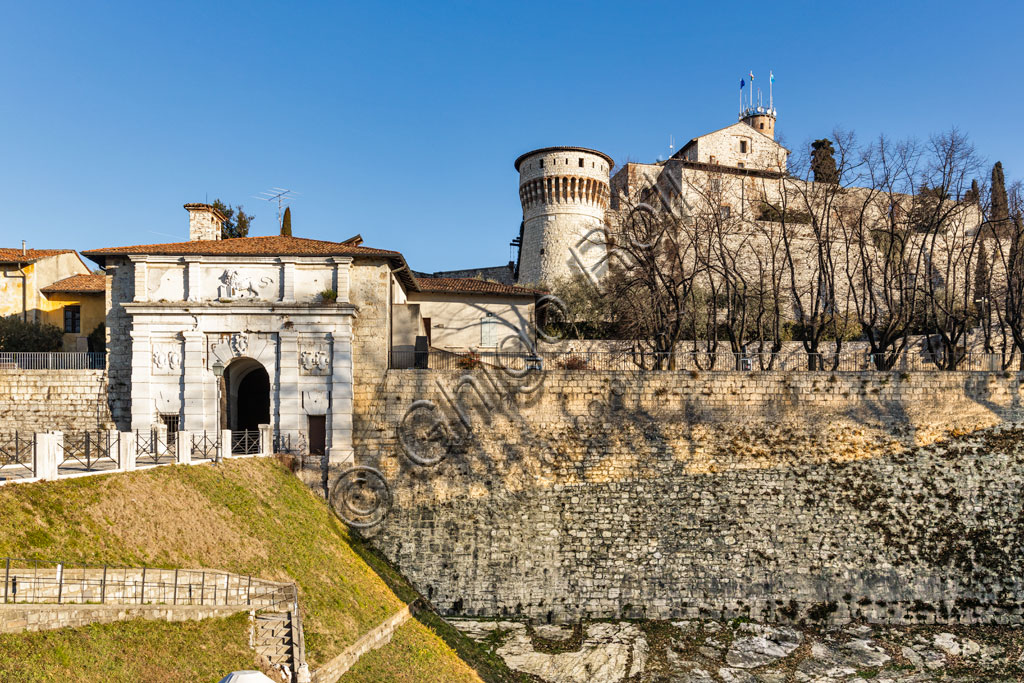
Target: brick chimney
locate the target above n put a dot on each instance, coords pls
(204, 222)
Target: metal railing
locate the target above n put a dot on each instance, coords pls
(245, 442)
(44, 582)
(40, 360)
(153, 449)
(89, 452)
(16, 449)
(205, 445)
(714, 361)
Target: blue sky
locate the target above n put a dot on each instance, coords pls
(401, 121)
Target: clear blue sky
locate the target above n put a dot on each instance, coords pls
(401, 122)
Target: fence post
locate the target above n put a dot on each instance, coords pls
(142, 591)
(183, 447)
(174, 598)
(103, 586)
(60, 581)
(248, 589)
(7, 578)
(45, 455)
(266, 440)
(159, 439)
(202, 587)
(225, 444)
(128, 446)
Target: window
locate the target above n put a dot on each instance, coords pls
(743, 146)
(724, 212)
(171, 421)
(73, 319)
(741, 165)
(542, 163)
(581, 162)
(489, 330)
(762, 125)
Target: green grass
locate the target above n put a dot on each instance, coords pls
(139, 650)
(412, 655)
(248, 516)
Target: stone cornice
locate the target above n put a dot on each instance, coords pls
(238, 308)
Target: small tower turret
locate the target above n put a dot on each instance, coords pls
(760, 119)
(564, 192)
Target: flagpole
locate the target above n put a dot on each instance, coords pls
(771, 85)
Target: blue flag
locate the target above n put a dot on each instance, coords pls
(742, 83)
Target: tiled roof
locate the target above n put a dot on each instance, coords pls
(30, 255)
(274, 245)
(91, 283)
(470, 285)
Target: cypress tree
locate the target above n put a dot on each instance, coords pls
(981, 273)
(974, 194)
(823, 163)
(1000, 206)
(286, 222)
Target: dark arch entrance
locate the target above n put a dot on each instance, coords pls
(248, 394)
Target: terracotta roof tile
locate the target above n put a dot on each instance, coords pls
(273, 245)
(470, 285)
(15, 255)
(91, 283)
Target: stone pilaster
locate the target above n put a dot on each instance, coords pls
(141, 272)
(142, 369)
(342, 266)
(193, 279)
(289, 391)
(196, 408)
(288, 282)
(339, 418)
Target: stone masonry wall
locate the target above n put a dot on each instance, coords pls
(20, 618)
(44, 400)
(808, 496)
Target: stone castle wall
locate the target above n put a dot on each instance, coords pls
(811, 496)
(44, 400)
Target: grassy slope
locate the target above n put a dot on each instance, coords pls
(129, 651)
(412, 655)
(246, 516)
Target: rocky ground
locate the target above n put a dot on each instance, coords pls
(742, 652)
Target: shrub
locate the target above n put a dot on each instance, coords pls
(469, 361)
(328, 296)
(19, 335)
(573, 363)
(98, 339)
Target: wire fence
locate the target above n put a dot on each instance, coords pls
(712, 361)
(40, 360)
(46, 582)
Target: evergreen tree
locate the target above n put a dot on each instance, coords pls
(286, 222)
(1000, 206)
(974, 194)
(823, 162)
(982, 275)
(237, 223)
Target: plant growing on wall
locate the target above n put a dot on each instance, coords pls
(328, 296)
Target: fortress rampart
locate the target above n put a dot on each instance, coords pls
(786, 497)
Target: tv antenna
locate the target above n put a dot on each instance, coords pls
(280, 195)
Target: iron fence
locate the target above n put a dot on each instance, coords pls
(40, 360)
(205, 445)
(89, 452)
(17, 456)
(706, 361)
(46, 582)
(153, 449)
(245, 442)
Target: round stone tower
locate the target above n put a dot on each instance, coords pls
(564, 192)
(760, 119)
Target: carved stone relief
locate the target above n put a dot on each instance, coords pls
(230, 345)
(238, 286)
(167, 359)
(314, 359)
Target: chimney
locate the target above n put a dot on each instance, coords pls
(204, 222)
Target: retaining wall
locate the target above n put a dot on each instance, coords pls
(19, 618)
(44, 400)
(805, 496)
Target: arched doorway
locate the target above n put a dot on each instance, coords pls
(248, 395)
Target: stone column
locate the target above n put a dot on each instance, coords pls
(339, 416)
(289, 393)
(341, 276)
(266, 440)
(128, 446)
(199, 412)
(142, 368)
(44, 456)
(225, 443)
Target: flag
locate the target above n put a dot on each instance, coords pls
(751, 76)
(742, 83)
(771, 77)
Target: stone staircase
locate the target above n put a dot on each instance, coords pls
(277, 639)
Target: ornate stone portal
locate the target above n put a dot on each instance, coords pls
(244, 313)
